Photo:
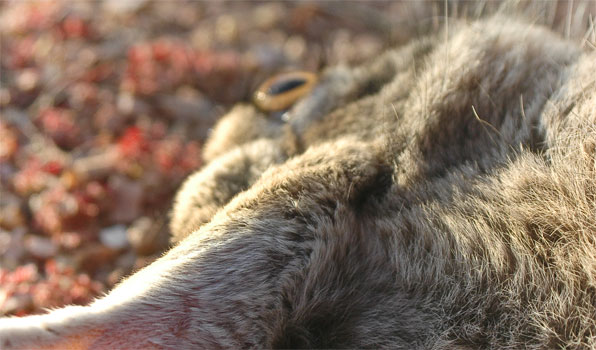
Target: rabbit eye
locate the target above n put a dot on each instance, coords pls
(283, 90)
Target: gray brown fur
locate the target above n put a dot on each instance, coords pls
(442, 196)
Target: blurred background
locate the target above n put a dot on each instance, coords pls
(104, 107)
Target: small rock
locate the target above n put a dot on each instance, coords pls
(126, 103)
(40, 247)
(268, 56)
(124, 7)
(126, 261)
(295, 47)
(128, 196)
(92, 257)
(28, 80)
(226, 28)
(11, 215)
(146, 236)
(70, 240)
(11, 248)
(4, 97)
(18, 302)
(5, 240)
(114, 237)
(187, 105)
(201, 39)
(94, 166)
(268, 15)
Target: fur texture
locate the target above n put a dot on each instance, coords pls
(441, 196)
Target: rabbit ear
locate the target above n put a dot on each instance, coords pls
(77, 328)
(60, 329)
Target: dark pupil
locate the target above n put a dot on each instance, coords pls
(284, 86)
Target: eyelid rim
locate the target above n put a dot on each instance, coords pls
(272, 103)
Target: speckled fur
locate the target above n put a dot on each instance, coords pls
(441, 196)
